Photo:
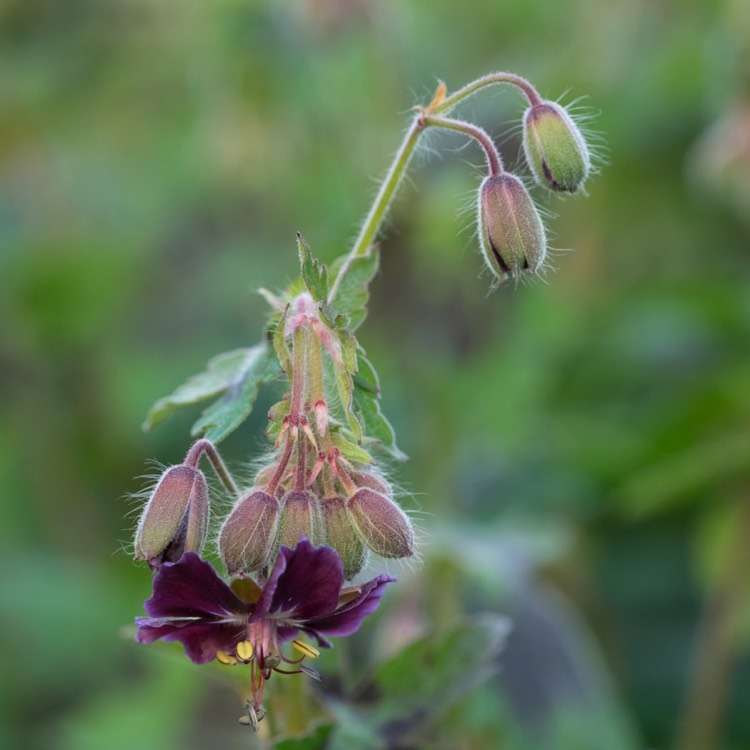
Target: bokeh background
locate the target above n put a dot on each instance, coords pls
(580, 449)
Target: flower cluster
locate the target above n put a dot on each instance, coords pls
(320, 504)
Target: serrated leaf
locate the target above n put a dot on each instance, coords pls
(314, 273)
(350, 450)
(221, 371)
(366, 376)
(352, 290)
(227, 413)
(345, 389)
(366, 405)
(348, 350)
(375, 425)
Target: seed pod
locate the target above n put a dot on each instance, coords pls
(510, 228)
(373, 481)
(380, 523)
(175, 519)
(555, 149)
(247, 536)
(300, 516)
(341, 535)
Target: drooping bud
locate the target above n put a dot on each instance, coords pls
(372, 480)
(175, 519)
(555, 149)
(510, 228)
(341, 535)
(247, 536)
(380, 523)
(300, 516)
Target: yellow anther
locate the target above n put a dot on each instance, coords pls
(224, 658)
(306, 649)
(244, 651)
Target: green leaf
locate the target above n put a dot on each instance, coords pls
(349, 449)
(353, 288)
(220, 373)
(345, 388)
(348, 350)
(314, 273)
(366, 406)
(434, 672)
(233, 408)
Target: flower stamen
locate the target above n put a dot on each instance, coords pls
(244, 651)
(224, 658)
(305, 648)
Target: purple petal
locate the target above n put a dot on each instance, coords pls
(201, 639)
(192, 605)
(304, 583)
(347, 618)
(191, 588)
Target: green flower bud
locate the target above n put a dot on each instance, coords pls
(300, 516)
(510, 228)
(380, 523)
(175, 519)
(340, 535)
(247, 536)
(555, 149)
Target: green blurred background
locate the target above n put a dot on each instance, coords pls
(580, 451)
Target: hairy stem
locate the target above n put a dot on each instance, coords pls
(494, 162)
(298, 373)
(206, 448)
(383, 200)
(490, 79)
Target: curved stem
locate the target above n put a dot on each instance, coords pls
(278, 475)
(490, 79)
(494, 162)
(206, 447)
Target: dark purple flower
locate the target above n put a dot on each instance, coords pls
(246, 622)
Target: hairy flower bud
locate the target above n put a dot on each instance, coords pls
(555, 149)
(247, 536)
(373, 481)
(510, 228)
(380, 523)
(300, 516)
(341, 535)
(175, 518)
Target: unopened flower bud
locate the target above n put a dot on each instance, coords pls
(175, 519)
(555, 149)
(510, 228)
(341, 535)
(247, 536)
(373, 481)
(300, 516)
(380, 523)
